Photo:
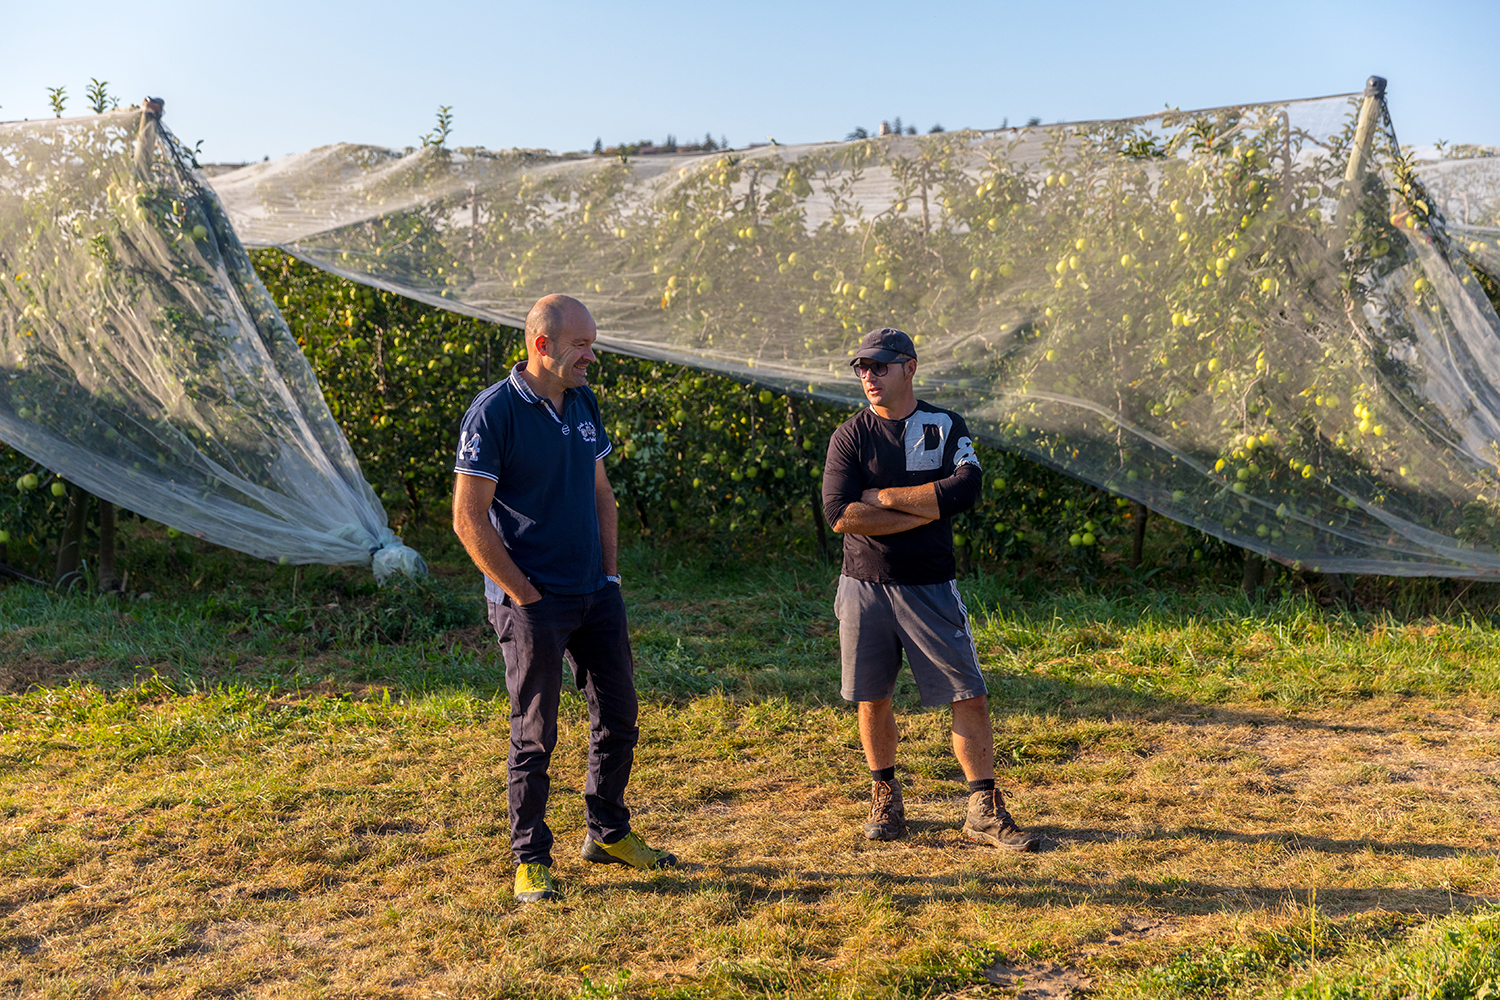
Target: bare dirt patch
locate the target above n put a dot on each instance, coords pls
(1039, 980)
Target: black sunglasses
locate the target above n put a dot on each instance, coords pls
(876, 368)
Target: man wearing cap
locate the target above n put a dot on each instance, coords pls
(536, 513)
(896, 474)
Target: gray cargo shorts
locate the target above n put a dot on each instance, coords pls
(878, 620)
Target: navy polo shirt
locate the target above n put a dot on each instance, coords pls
(542, 463)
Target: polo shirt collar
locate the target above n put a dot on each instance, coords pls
(519, 381)
(524, 389)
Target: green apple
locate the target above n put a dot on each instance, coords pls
(4, 537)
(59, 489)
(28, 481)
(1088, 538)
(1075, 539)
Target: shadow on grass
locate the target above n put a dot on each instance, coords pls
(760, 883)
(1288, 839)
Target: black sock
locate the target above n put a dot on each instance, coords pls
(982, 785)
(888, 774)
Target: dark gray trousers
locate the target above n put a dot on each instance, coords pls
(590, 632)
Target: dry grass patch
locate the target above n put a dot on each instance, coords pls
(1233, 800)
(361, 850)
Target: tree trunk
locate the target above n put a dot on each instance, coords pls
(816, 501)
(794, 420)
(69, 553)
(107, 579)
(1254, 565)
(1138, 546)
(1342, 592)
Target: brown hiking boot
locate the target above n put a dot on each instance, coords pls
(988, 823)
(887, 811)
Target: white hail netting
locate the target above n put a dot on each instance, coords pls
(1177, 308)
(1192, 309)
(1467, 193)
(141, 357)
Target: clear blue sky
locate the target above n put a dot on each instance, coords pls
(277, 76)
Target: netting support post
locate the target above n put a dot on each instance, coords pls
(1359, 155)
(145, 140)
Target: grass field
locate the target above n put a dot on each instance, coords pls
(284, 783)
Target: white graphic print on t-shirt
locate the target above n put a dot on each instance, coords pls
(924, 449)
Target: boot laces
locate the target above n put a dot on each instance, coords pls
(881, 799)
(994, 805)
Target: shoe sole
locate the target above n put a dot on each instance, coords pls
(979, 838)
(546, 895)
(599, 856)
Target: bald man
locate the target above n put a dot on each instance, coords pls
(535, 511)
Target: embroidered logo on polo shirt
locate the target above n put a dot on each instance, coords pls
(468, 447)
(587, 432)
(566, 429)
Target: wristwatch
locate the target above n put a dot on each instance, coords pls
(613, 579)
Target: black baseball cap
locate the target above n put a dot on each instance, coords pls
(886, 344)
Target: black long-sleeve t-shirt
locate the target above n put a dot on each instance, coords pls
(932, 445)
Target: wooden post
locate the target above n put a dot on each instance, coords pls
(473, 216)
(145, 139)
(1359, 155)
(69, 552)
(107, 579)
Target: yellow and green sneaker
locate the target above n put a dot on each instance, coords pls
(534, 883)
(628, 850)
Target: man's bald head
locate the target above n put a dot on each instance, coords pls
(553, 316)
(560, 336)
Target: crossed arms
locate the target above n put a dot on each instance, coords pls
(890, 511)
(894, 509)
